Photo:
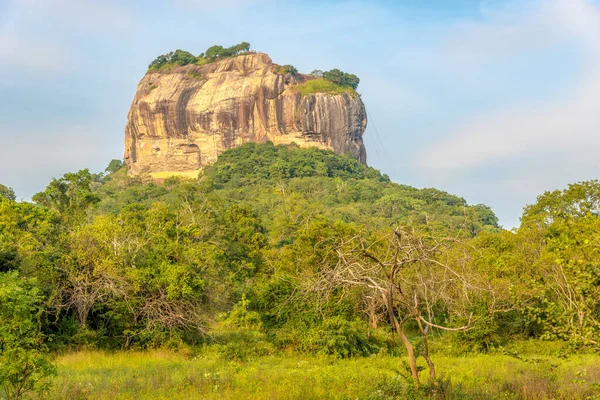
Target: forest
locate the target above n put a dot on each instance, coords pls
(280, 253)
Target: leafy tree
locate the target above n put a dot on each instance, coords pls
(7, 193)
(181, 57)
(160, 61)
(70, 195)
(409, 275)
(217, 51)
(114, 166)
(241, 47)
(342, 78)
(24, 362)
(568, 222)
(214, 51)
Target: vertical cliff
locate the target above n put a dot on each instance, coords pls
(183, 118)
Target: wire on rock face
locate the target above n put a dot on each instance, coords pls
(372, 127)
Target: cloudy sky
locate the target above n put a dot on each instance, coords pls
(493, 100)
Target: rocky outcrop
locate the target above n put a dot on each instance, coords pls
(181, 120)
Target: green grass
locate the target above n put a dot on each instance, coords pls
(321, 85)
(170, 375)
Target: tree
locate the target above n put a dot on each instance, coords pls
(159, 61)
(70, 195)
(342, 78)
(7, 193)
(317, 73)
(241, 47)
(568, 277)
(214, 51)
(181, 57)
(24, 362)
(92, 267)
(114, 166)
(409, 275)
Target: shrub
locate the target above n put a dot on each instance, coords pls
(285, 69)
(341, 78)
(341, 338)
(24, 364)
(323, 86)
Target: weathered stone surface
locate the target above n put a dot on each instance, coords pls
(183, 119)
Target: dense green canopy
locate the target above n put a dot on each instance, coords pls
(270, 248)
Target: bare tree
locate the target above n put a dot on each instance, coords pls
(408, 275)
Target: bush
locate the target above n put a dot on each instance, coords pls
(321, 85)
(24, 363)
(341, 338)
(241, 344)
(286, 69)
(341, 78)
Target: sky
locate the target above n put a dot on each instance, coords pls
(496, 101)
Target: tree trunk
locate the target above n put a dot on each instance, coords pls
(412, 360)
(425, 352)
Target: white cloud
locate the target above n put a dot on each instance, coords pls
(566, 125)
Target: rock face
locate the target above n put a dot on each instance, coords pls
(181, 120)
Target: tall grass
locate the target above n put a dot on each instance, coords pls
(170, 375)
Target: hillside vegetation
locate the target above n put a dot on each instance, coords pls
(278, 250)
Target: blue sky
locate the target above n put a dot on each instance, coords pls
(493, 100)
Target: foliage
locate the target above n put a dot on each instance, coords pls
(24, 363)
(253, 164)
(321, 85)
(227, 260)
(70, 195)
(181, 57)
(207, 375)
(7, 193)
(341, 338)
(114, 166)
(569, 221)
(285, 69)
(341, 78)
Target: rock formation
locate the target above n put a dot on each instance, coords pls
(182, 119)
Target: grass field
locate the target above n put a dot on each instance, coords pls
(170, 375)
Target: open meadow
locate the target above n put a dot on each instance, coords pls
(162, 374)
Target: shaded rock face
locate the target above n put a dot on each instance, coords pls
(181, 120)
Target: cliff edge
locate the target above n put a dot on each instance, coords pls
(181, 119)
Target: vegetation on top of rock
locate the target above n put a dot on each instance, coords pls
(285, 69)
(330, 82)
(340, 78)
(181, 57)
(321, 85)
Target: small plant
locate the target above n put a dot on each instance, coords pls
(195, 75)
(285, 69)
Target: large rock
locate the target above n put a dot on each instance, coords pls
(183, 119)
